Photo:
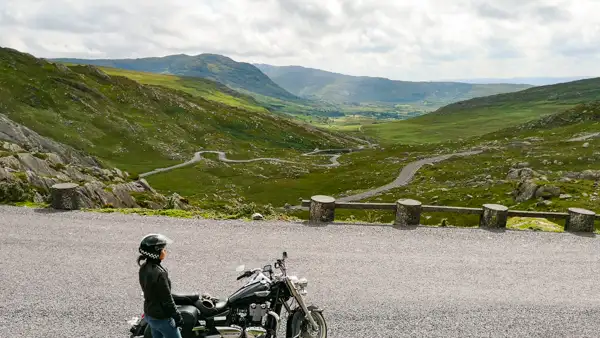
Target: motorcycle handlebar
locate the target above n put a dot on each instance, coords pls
(245, 274)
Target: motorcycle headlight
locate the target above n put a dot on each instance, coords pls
(302, 282)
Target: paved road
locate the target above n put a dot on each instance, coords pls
(405, 176)
(74, 275)
(333, 158)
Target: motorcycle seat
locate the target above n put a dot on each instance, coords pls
(207, 312)
(185, 298)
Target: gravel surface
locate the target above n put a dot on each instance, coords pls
(73, 274)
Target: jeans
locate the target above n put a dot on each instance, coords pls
(163, 328)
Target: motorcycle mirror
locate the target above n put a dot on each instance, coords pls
(240, 268)
(268, 268)
(285, 255)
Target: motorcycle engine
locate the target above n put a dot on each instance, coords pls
(257, 312)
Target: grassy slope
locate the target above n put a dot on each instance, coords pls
(487, 114)
(207, 89)
(552, 155)
(456, 182)
(340, 88)
(138, 127)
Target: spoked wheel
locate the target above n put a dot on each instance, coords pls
(301, 327)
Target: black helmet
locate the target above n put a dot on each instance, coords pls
(152, 244)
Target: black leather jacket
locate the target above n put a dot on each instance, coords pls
(156, 285)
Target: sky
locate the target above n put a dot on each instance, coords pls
(398, 39)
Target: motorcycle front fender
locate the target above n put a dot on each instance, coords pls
(290, 318)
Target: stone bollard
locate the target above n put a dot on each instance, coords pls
(64, 196)
(580, 220)
(408, 213)
(322, 209)
(494, 216)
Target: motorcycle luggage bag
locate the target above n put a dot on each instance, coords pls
(190, 319)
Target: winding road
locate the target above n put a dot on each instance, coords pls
(406, 174)
(404, 177)
(223, 157)
(73, 274)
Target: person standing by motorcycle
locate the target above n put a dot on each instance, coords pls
(160, 311)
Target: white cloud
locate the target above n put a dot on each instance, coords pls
(399, 39)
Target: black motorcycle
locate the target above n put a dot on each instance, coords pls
(253, 311)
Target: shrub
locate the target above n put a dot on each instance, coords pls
(11, 192)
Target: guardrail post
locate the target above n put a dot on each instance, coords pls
(322, 209)
(408, 213)
(64, 196)
(580, 220)
(494, 216)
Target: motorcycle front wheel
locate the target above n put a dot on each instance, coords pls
(301, 327)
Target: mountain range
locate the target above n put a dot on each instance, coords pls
(300, 90)
(340, 88)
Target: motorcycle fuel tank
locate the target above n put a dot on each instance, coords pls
(247, 292)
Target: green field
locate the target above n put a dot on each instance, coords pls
(484, 115)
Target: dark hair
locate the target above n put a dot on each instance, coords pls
(141, 258)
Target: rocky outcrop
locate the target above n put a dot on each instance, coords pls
(26, 139)
(26, 176)
(530, 189)
(521, 173)
(592, 175)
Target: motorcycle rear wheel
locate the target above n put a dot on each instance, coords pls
(301, 327)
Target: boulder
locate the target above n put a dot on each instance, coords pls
(547, 192)
(257, 217)
(15, 148)
(6, 175)
(590, 175)
(76, 175)
(122, 192)
(525, 191)
(522, 165)
(175, 201)
(37, 165)
(41, 182)
(55, 159)
(521, 174)
(11, 162)
(146, 185)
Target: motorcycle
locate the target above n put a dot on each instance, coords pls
(253, 311)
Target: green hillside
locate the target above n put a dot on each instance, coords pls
(237, 75)
(204, 88)
(483, 115)
(563, 171)
(340, 88)
(140, 127)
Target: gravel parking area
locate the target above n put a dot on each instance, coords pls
(73, 274)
